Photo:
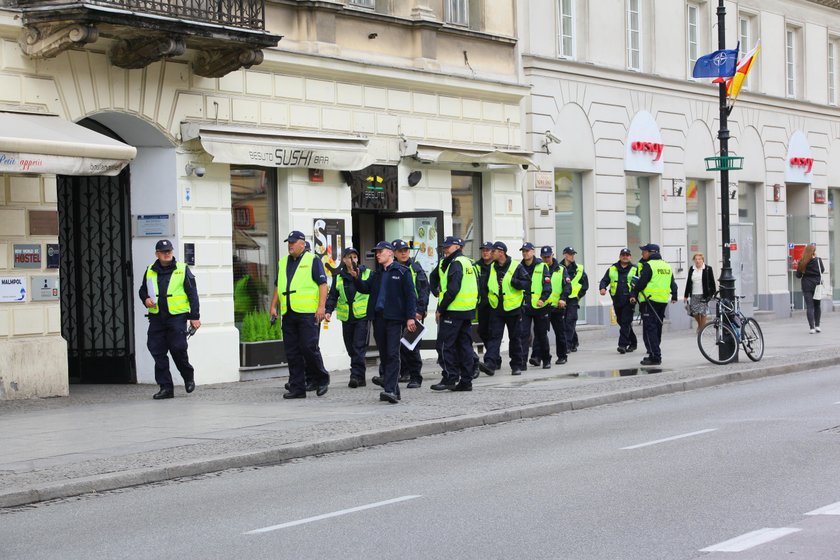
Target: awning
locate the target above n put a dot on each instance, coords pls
(279, 147)
(447, 155)
(31, 143)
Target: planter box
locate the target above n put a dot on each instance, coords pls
(262, 354)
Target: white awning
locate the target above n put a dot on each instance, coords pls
(451, 155)
(31, 143)
(279, 147)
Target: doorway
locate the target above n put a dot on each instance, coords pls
(799, 233)
(743, 256)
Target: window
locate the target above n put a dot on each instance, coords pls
(466, 211)
(638, 211)
(457, 12)
(634, 32)
(568, 217)
(790, 61)
(747, 39)
(693, 34)
(832, 71)
(566, 29)
(696, 217)
(364, 3)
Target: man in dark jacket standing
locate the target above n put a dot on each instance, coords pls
(654, 287)
(483, 308)
(352, 312)
(393, 306)
(455, 311)
(506, 292)
(618, 280)
(535, 307)
(168, 316)
(411, 363)
(579, 284)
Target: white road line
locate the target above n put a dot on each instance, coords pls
(750, 540)
(328, 515)
(833, 509)
(672, 438)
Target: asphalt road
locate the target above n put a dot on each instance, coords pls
(657, 478)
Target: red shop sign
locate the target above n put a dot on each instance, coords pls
(652, 147)
(806, 162)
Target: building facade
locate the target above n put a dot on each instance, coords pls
(366, 120)
(620, 131)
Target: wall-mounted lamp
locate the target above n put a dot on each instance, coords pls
(199, 170)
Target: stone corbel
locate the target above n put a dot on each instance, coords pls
(47, 40)
(215, 63)
(139, 52)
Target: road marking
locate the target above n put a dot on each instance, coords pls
(328, 515)
(672, 438)
(833, 509)
(750, 540)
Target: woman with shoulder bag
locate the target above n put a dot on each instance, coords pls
(699, 289)
(809, 269)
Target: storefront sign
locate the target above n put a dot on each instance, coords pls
(27, 256)
(654, 148)
(12, 289)
(329, 242)
(374, 188)
(543, 181)
(153, 225)
(807, 163)
(799, 163)
(43, 222)
(44, 288)
(644, 148)
(819, 196)
(53, 255)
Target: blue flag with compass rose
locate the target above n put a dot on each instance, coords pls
(719, 64)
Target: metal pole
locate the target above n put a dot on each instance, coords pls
(727, 280)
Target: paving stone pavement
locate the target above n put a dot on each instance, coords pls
(103, 437)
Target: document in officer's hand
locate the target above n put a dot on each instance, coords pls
(411, 339)
(150, 288)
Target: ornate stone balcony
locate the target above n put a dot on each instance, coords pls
(228, 34)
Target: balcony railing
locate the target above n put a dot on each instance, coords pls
(246, 14)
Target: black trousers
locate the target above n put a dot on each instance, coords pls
(167, 334)
(388, 334)
(572, 305)
(456, 351)
(813, 309)
(483, 327)
(624, 311)
(541, 351)
(492, 356)
(300, 336)
(653, 314)
(411, 363)
(558, 325)
(355, 335)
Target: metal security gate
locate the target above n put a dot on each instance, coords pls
(97, 313)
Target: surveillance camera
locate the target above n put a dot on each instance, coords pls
(199, 170)
(551, 138)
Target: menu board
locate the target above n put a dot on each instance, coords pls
(425, 243)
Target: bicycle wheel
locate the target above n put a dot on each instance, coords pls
(713, 338)
(752, 340)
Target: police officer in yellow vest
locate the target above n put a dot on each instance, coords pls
(455, 311)
(653, 289)
(506, 292)
(618, 279)
(351, 309)
(560, 289)
(168, 316)
(579, 285)
(302, 294)
(535, 307)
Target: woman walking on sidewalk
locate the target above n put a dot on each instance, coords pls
(810, 269)
(699, 289)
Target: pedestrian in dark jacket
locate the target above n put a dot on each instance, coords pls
(411, 363)
(536, 307)
(579, 282)
(393, 306)
(560, 289)
(809, 269)
(700, 287)
(352, 311)
(618, 281)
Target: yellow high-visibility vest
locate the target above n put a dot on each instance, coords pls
(304, 293)
(513, 298)
(176, 298)
(467, 297)
(360, 302)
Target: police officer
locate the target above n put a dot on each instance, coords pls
(654, 287)
(351, 307)
(302, 293)
(393, 306)
(455, 311)
(579, 284)
(168, 316)
(506, 292)
(535, 308)
(619, 280)
(482, 267)
(411, 364)
(560, 288)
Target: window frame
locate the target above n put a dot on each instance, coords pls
(791, 60)
(561, 36)
(456, 5)
(368, 4)
(832, 74)
(746, 40)
(634, 32)
(691, 6)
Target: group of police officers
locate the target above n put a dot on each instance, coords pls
(527, 297)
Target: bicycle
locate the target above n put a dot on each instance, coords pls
(730, 325)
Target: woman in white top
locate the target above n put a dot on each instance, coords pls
(699, 289)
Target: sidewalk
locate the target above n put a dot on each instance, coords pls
(104, 437)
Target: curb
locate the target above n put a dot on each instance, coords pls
(126, 479)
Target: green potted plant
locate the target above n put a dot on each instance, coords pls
(260, 342)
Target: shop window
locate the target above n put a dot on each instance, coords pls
(834, 241)
(255, 239)
(466, 211)
(568, 218)
(744, 257)
(638, 212)
(696, 218)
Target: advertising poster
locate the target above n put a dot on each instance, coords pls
(424, 246)
(329, 242)
(12, 288)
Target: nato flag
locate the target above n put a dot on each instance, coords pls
(719, 64)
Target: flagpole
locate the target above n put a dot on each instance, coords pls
(727, 280)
